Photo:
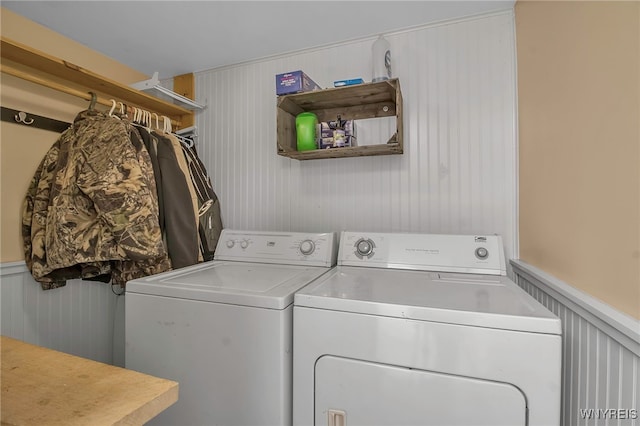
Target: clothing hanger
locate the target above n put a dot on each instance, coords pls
(188, 142)
(147, 120)
(139, 119)
(94, 99)
(113, 107)
(157, 124)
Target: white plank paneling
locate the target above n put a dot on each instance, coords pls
(78, 318)
(457, 174)
(601, 352)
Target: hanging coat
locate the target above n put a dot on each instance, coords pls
(34, 218)
(210, 220)
(182, 163)
(128, 269)
(179, 222)
(100, 204)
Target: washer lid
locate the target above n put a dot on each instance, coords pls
(239, 283)
(465, 299)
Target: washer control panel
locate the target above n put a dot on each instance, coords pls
(432, 252)
(319, 249)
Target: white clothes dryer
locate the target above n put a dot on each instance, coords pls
(417, 330)
(223, 329)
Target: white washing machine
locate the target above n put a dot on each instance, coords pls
(414, 329)
(223, 329)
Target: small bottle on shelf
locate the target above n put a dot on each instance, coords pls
(381, 55)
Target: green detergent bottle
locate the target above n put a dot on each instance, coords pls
(306, 123)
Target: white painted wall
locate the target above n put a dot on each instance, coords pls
(457, 174)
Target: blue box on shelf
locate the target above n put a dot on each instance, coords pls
(349, 82)
(294, 82)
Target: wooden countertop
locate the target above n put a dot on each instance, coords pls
(41, 386)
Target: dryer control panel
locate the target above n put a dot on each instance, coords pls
(293, 248)
(479, 254)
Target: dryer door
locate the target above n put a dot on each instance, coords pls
(351, 393)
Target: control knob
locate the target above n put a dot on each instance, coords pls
(364, 247)
(244, 244)
(482, 253)
(307, 247)
(230, 243)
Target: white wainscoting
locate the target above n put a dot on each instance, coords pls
(83, 318)
(458, 171)
(601, 350)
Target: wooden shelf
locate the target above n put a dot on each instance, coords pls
(368, 100)
(75, 76)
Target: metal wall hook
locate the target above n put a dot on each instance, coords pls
(16, 116)
(21, 117)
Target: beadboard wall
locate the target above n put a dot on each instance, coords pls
(601, 352)
(457, 174)
(83, 318)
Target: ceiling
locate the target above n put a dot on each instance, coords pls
(177, 37)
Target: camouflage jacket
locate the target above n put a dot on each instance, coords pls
(91, 209)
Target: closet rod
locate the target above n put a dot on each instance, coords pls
(60, 87)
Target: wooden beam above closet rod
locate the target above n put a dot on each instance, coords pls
(65, 89)
(77, 76)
